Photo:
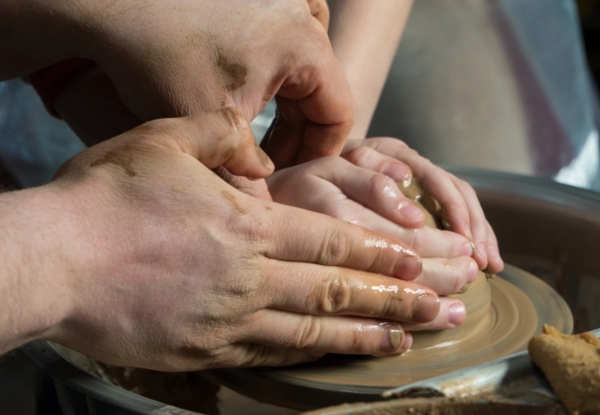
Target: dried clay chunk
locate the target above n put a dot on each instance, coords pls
(572, 366)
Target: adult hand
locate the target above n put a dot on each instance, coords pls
(361, 196)
(172, 269)
(169, 59)
(395, 159)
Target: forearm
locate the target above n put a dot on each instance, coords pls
(35, 265)
(365, 36)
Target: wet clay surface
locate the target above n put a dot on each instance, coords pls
(572, 366)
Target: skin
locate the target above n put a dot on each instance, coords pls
(365, 36)
(465, 214)
(196, 56)
(165, 266)
(387, 156)
(93, 109)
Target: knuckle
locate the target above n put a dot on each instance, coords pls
(234, 125)
(254, 355)
(356, 341)
(419, 240)
(244, 287)
(333, 297)
(335, 248)
(360, 155)
(393, 307)
(307, 334)
(231, 116)
(396, 142)
(380, 184)
(253, 229)
(167, 126)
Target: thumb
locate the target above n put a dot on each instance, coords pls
(224, 138)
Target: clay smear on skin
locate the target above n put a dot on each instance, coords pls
(120, 158)
(233, 73)
(231, 199)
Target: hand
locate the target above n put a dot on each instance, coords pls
(395, 159)
(361, 196)
(176, 270)
(179, 59)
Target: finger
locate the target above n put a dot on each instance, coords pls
(328, 241)
(447, 275)
(495, 262)
(324, 104)
(220, 138)
(283, 139)
(253, 355)
(255, 188)
(321, 290)
(479, 224)
(371, 159)
(376, 191)
(428, 242)
(320, 11)
(452, 314)
(440, 185)
(342, 335)
(435, 180)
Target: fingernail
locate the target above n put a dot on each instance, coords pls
(482, 249)
(264, 159)
(396, 335)
(411, 211)
(425, 308)
(408, 268)
(472, 271)
(396, 171)
(467, 249)
(457, 313)
(393, 339)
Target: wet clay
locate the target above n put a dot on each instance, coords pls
(571, 364)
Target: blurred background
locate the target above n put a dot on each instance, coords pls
(507, 85)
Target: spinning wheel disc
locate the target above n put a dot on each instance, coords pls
(520, 305)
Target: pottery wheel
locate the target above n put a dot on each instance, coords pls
(520, 304)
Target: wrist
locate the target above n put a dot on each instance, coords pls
(40, 258)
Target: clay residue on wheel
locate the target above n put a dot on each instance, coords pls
(488, 404)
(572, 365)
